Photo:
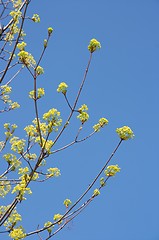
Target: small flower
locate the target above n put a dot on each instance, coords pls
(53, 172)
(93, 45)
(125, 133)
(5, 89)
(101, 123)
(62, 88)
(36, 18)
(45, 43)
(49, 226)
(40, 93)
(15, 105)
(39, 70)
(112, 170)
(83, 115)
(57, 217)
(96, 192)
(21, 46)
(67, 202)
(50, 30)
(102, 182)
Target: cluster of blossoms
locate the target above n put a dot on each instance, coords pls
(39, 70)
(5, 91)
(46, 144)
(17, 233)
(62, 88)
(31, 156)
(112, 170)
(40, 93)
(12, 160)
(50, 30)
(5, 187)
(17, 145)
(125, 133)
(13, 219)
(36, 18)
(83, 115)
(21, 46)
(49, 226)
(53, 119)
(16, 4)
(94, 45)
(67, 202)
(26, 58)
(101, 123)
(32, 130)
(13, 28)
(57, 217)
(21, 188)
(10, 129)
(96, 192)
(53, 172)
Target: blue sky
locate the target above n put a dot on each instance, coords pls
(122, 85)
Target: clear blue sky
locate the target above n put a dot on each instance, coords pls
(122, 85)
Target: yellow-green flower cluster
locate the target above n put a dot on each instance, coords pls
(5, 90)
(43, 127)
(5, 187)
(13, 28)
(36, 18)
(53, 172)
(17, 233)
(21, 188)
(14, 105)
(47, 145)
(16, 4)
(39, 70)
(53, 119)
(10, 129)
(102, 182)
(31, 156)
(21, 46)
(12, 160)
(23, 170)
(93, 45)
(17, 145)
(26, 58)
(57, 217)
(49, 226)
(45, 43)
(12, 219)
(96, 192)
(83, 115)
(31, 130)
(62, 88)
(67, 202)
(101, 123)
(125, 133)
(112, 170)
(40, 93)
(50, 30)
